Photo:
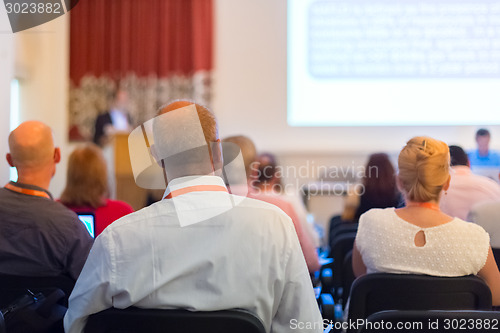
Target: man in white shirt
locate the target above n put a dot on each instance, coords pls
(466, 189)
(200, 248)
(486, 215)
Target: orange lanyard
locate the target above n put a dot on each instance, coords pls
(27, 191)
(196, 188)
(428, 205)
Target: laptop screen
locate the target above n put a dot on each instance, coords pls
(88, 220)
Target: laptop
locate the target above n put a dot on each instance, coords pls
(88, 220)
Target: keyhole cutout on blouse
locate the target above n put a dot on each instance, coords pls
(420, 240)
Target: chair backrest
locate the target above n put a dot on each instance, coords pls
(335, 221)
(341, 246)
(376, 292)
(135, 320)
(347, 275)
(432, 321)
(11, 285)
(2, 323)
(340, 229)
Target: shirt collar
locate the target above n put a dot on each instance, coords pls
(29, 187)
(193, 182)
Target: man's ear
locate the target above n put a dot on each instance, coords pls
(57, 155)
(446, 185)
(9, 159)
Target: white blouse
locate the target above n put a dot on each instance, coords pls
(387, 244)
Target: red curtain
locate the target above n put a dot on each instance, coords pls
(114, 38)
(155, 50)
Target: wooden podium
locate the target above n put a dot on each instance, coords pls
(122, 184)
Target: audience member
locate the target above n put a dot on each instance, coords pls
(87, 187)
(377, 190)
(195, 249)
(268, 181)
(247, 148)
(420, 238)
(483, 156)
(38, 236)
(466, 189)
(116, 119)
(379, 184)
(248, 152)
(486, 214)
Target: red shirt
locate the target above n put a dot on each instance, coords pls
(105, 215)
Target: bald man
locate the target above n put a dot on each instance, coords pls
(200, 248)
(38, 236)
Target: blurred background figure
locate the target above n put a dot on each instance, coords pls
(466, 189)
(379, 182)
(116, 119)
(87, 187)
(378, 189)
(249, 154)
(483, 156)
(268, 180)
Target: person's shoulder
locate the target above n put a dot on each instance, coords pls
(377, 214)
(494, 153)
(133, 219)
(376, 217)
(470, 228)
(264, 204)
(486, 183)
(59, 211)
(104, 115)
(492, 205)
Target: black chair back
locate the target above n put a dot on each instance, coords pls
(432, 321)
(135, 320)
(2, 324)
(12, 285)
(347, 275)
(341, 245)
(376, 292)
(340, 229)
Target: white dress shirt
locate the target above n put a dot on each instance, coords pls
(486, 214)
(119, 120)
(466, 190)
(245, 255)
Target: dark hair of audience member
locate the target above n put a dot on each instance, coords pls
(379, 181)
(482, 132)
(267, 172)
(86, 178)
(458, 156)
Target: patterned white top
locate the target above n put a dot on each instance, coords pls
(387, 244)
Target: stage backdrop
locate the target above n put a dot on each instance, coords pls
(156, 50)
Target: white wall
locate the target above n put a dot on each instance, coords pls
(42, 65)
(250, 90)
(7, 73)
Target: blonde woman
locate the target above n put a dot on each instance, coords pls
(87, 187)
(419, 238)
